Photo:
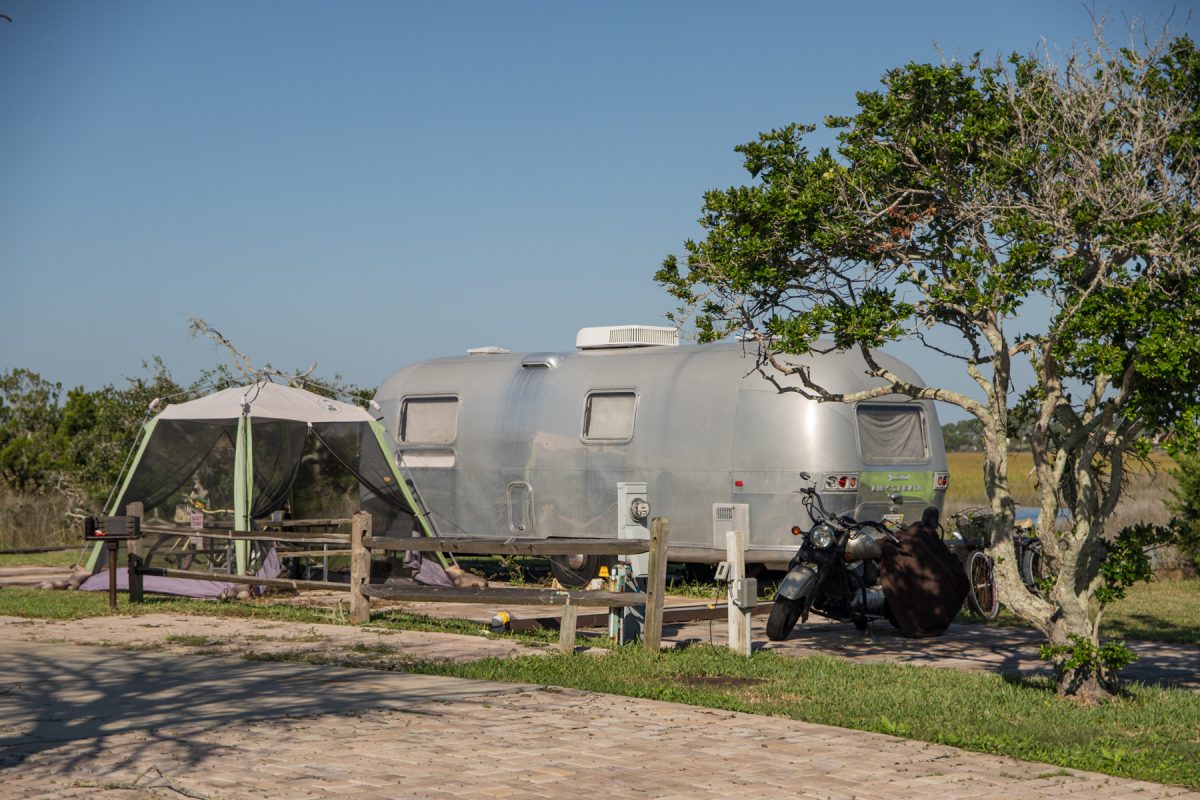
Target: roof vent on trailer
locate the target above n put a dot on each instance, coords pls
(625, 336)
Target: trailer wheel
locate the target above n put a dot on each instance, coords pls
(575, 572)
(700, 573)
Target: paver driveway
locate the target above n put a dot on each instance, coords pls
(97, 722)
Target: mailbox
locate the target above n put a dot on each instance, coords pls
(111, 529)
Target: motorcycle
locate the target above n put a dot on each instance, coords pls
(835, 572)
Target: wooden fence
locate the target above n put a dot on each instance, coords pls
(362, 590)
(362, 543)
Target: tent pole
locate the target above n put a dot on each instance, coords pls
(147, 429)
(418, 511)
(243, 471)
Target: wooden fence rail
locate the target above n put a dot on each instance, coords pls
(361, 589)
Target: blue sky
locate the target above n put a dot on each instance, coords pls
(368, 184)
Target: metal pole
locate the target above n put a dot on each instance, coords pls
(112, 574)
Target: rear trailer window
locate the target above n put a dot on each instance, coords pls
(892, 434)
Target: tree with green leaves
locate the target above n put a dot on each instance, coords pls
(1186, 504)
(963, 436)
(28, 420)
(1036, 208)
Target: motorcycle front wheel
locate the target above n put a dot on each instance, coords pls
(783, 618)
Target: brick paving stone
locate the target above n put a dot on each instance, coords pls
(233, 729)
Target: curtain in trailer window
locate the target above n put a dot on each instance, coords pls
(609, 416)
(429, 420)
(892, 434)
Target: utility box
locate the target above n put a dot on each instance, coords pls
(728, 517)
(633, 521)
(744, 592)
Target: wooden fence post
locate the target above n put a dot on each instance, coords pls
(739, 618)
(656, 583)
(360, 568)
(566, 630)
(134, 546)
(136, 592)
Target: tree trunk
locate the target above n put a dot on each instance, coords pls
(1064, 618)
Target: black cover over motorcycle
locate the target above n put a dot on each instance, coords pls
(923, 581)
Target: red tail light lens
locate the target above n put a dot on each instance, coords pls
(844, 482)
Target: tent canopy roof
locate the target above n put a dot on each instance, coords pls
(266, 400)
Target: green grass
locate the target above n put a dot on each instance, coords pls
(1164, 611)
(44, 604)
(1159, 611)
(1150, 734)
(56, 558)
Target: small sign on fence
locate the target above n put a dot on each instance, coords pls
(196, 519)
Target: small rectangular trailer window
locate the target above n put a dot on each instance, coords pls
(892, 434)
(608, 417)
(429, 420)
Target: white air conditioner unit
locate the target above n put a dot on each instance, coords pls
(625, 336)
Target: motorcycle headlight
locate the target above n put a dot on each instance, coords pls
(821, 536)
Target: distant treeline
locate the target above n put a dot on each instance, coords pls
(964, 436)
(76, 445)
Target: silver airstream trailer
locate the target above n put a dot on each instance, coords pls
(558, 444)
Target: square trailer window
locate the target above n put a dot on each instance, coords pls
(608, 417)
(892, 434)
(429, 420)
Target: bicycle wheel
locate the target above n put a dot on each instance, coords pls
(1034, 571)
(982, 596)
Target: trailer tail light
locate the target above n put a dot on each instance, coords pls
(941, 481)
(847, 482)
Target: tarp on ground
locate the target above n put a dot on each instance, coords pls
(184, 587)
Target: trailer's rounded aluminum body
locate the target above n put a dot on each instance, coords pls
(536, 444)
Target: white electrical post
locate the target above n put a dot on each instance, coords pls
(742, 593)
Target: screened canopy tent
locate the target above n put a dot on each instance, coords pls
(244, 453)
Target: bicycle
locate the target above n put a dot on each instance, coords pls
(982, 598)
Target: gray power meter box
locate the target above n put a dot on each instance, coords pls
(633, 522)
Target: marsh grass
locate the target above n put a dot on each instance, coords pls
(36, 520)
(1145, 499)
